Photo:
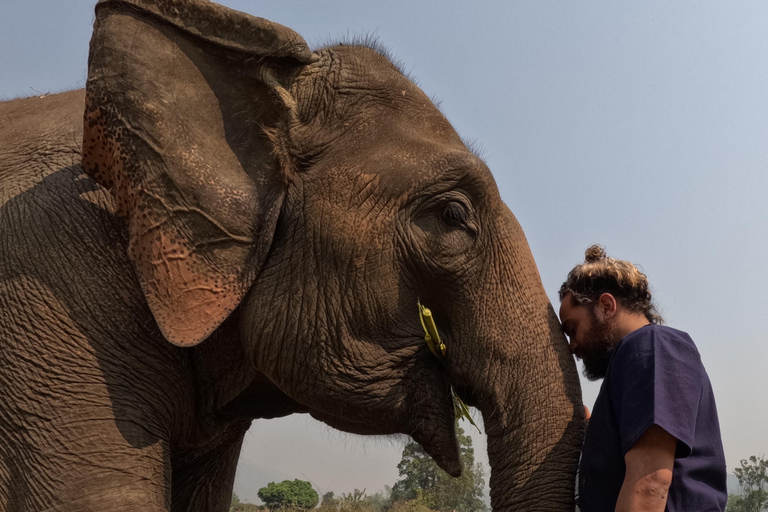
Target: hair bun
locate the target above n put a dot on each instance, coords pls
(594, 253)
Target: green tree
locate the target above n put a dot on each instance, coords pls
(422, 479)
(296, 493)
(753, 480)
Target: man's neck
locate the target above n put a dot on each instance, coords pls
(627, 322)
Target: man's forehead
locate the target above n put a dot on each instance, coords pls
(567, 307)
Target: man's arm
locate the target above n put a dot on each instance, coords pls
(649, 472)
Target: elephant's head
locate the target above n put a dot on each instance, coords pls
(323, 194)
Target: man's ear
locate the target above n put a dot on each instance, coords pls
(606, 306)
(179, 99)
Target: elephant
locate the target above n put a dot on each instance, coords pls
(226, 225)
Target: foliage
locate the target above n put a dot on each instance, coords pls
(239, 506)
(352, 502)
(423, 483)
(356, 501)
(753, 480)
(409, 506)
(294, 494)
(329, 501)
(381, 501)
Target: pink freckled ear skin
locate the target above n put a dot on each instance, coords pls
(176, 132)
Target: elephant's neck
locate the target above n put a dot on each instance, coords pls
(221, 369)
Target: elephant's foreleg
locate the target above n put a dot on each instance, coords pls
(81, 465)
(202, 480)
(79, 431)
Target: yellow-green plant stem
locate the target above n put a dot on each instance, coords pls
(435, 344)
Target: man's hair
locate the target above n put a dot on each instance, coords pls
(600, 274)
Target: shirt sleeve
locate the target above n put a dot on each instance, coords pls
(656, 380)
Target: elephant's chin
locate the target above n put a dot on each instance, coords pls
(443, 447)
(437, 437)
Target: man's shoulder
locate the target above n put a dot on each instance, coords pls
(653, 338)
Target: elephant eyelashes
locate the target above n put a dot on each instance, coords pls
(456, 214)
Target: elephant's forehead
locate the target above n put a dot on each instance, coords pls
(404, 170)
(401, 166)
(360, 115)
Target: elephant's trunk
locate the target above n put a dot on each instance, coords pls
(534, 427)
(523, 380)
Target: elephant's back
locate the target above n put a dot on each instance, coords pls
(61, 243)
(38, 136)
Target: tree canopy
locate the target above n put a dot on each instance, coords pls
(294, 493)
(423, 480)
(753, 480)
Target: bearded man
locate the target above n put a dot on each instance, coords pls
(653, 440)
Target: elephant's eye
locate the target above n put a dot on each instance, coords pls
(456, 214)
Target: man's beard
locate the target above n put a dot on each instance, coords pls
(602, 342)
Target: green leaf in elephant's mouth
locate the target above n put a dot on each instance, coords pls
(439, 349)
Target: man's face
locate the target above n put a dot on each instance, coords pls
(592, 338)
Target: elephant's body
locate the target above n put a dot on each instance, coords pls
(118, 400)
(226, 226)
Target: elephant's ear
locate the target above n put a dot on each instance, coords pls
(180, 97)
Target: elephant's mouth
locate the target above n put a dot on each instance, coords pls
(467, 394)
(439, 349)
(436, 435)
(405, 391)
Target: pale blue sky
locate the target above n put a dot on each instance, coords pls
(640, 126)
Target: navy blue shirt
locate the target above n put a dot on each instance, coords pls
(655, 377)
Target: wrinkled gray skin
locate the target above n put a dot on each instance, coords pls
(227, 226)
